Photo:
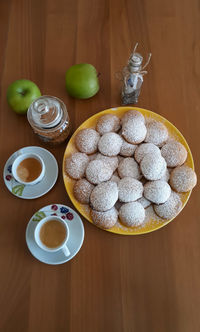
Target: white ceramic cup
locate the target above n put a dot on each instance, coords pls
(63, 246)
(22, 156)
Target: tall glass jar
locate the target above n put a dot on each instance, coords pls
(49, 119)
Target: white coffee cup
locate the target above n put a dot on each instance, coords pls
(39, 242)
(22, 156)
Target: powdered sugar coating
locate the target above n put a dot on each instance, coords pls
(115, 178)
(157, 191)
(175, 153)
(145, 148)
(108, 123)
(132, 214)
(132, 114)
(145, 202)
(153, 167)
(76, 164)
(110, 144)
(129, 167)
(106, 219)
(129, 189)
(134, 131)
(157, 133)
(165, 176)
(183, 178)
(111, 161)
(98, 171)
(82, 191)
(86, 140)
(104, 196)
(170, 208)
(127, 149)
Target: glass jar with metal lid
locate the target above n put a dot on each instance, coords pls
(49, 119)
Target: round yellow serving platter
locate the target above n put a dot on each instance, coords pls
(154, 222)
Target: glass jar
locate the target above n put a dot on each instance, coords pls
(49, 119)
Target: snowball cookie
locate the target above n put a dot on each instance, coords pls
(82, 190)
(170, 208)
(127, 149)
(108, 123)
(183, 179)
(113, 162)
(132, 114)
(134, 131)
(87, 140)
(175, 153)
(153, 167)
(98, 171)
(110, 144)
(106, 219)
(132, 214)
(156, 133)
(157, 191)
(129, 189)
(104, 196)
(76, 164)
(129, 167)
(145, 202)
(145, 148)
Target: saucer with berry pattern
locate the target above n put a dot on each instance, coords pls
(76, 231)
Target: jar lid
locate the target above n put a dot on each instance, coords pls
(45, 112)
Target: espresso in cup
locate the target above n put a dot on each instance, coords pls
(53, 234)
(29, 169)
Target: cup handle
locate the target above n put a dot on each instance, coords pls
(66, 250)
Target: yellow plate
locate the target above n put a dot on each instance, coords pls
(155, 222)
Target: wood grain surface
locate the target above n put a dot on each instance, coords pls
(147, 283)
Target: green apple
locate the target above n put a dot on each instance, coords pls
(82, 81)
(21, 94)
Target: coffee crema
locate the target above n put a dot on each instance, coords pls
(53, 233)
(29, 169)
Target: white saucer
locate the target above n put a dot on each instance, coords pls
(39, 189)
(76, 231)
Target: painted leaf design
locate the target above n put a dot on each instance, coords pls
(39, 216)
(18, 189)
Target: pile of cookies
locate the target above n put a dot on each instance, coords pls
(125, 165)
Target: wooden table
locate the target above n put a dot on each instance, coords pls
(116, 283)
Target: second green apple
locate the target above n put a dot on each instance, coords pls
(82, 81)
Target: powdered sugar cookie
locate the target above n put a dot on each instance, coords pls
(132, 115)
(170, 208)
(156, 133)
(129, 189)
(157, 191)
(106, 219)
(129, 167)
(108, 123)
(175, 153)
(76, 164)
(98, 171)
(82, 191)
(127, 149)
(111, 161)
(153, 167)
(145, 148)
(86, 140)
(183, 179)
(110, 144)
(132, 214)
(104, 196)
(134, 131)
(145, 202)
